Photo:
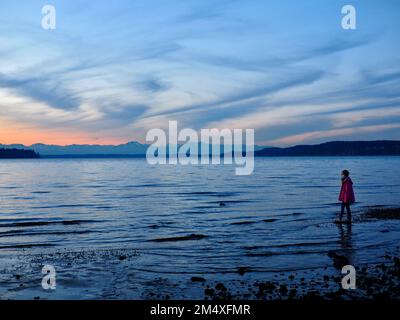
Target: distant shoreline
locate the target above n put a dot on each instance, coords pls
(18, 154)
(142, 156)
(105, 156)
(137, 150)
(336, 148)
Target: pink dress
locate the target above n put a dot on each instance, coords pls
(346, 192)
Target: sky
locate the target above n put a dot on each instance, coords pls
(112, 70)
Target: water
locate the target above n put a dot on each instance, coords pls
(278, 219)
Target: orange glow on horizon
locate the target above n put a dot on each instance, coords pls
(27, 137)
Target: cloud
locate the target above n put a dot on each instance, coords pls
(258, 91)
(153, 85)
(51, 92)
(335, 46)
(343, 119)
(330, 134)
(276, 62)
(123, 115)
(373, 78)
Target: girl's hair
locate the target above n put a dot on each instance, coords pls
(346, 172)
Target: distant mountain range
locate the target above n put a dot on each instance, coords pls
(336, 148)
(136, 149)
(130, 149)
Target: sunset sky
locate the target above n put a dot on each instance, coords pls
(112, 70)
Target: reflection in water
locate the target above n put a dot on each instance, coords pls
(345, 255)
(346, 242)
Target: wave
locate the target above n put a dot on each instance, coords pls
(183, 238)
(45, 223)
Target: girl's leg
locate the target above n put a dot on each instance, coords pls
(348, 211)
(341, 211)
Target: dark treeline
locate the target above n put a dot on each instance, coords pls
(18, 154)
(336, 148)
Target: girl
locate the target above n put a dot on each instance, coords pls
(346, 195)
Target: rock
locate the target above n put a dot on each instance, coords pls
(283, 289)
(220, 286)
(209, 292)
(242, 270)
(292, 292)
(198, 279)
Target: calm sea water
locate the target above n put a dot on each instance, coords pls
(279, 218)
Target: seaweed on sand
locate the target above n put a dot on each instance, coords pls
(381, 214)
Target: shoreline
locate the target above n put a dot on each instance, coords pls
(104, 274)
(111, 273)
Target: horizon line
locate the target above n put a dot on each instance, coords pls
(146, 144)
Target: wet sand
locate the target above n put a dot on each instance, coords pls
(116, 274)
(104, 274)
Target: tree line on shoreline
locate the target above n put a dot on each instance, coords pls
(18, 154)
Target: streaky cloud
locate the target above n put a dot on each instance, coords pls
(50, 91)
(261, 90)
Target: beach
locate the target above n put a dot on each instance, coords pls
(107, 274)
